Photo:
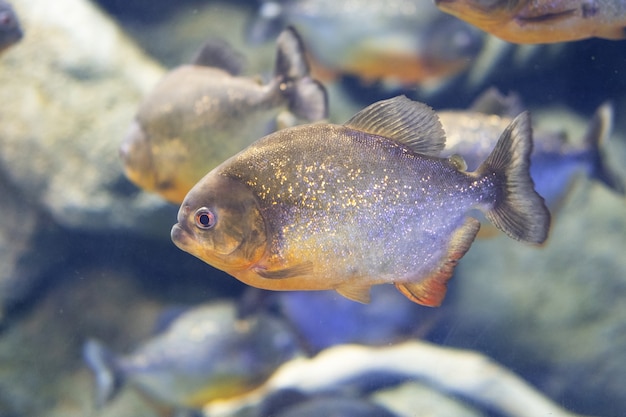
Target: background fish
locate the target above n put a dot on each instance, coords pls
(403, 41)
(345, 207)
(205, 354)
(555, 162)
(198, 116)
(10, 29)
(542, 21)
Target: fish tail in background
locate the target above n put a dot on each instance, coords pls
(108, 377)
(518, 211)
(268, 23)
(597, 135)
(307, 97)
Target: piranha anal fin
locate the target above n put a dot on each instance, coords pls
(358, 293)
(217, 53)
(304, 268)
(409, 122)
(431, 291)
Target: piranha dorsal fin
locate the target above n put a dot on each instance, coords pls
(217, 53)
(431, 291)
(409, 122)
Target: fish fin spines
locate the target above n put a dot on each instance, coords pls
(302, 269)
(108, 377)
(291, 62)
(307, 97)
(409, 122)
(308, 100)
(218, 53)
(596, 137)
(518, 210)
(431, 291)
(358, 293)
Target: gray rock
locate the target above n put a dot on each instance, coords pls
(410, 398)
(24, 232)
(69, 91)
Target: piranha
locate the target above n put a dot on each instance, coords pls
(542, 21)
(201, 114)
(346, 207)
(205, 354)
(10, 29)
(555, 162)
(404, 42)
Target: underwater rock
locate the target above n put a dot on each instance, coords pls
(69, 91)
(463, 373)
(40, 350)
(411, 396)
(24, 232)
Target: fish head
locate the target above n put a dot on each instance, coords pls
(481, 13)
(220, 222)
(137, 158)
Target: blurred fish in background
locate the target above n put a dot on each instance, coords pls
(205, 354)
(10, 29)
(201, 114)
(556, 161)
(542, 21)
(401, 42)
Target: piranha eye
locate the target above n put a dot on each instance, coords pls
(205, 219)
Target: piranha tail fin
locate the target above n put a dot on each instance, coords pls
(108, 377)
(518, 211)
(596, 136)
(307, 97)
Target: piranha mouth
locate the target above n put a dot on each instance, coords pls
(180, 237)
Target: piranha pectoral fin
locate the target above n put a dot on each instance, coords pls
(431, 291)
(358, 293)
(304, 268)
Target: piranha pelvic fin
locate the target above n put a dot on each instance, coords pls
(358, 293)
